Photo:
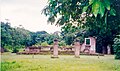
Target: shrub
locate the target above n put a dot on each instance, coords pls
(116, 47)
(117, 55)
(62, 43)
(37, 44)
(44, 44)
(8, 48)
(15, 50)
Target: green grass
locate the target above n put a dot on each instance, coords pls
(13, 62)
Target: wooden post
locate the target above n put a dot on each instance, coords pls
(55, 49)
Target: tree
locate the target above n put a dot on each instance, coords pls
(73, 10)
(70, 33)
(100, 18)
(38, 37)
(14, 38)
(5, 34)
(50, 38)
(105, 31)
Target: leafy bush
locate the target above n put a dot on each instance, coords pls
(15, 50)
(117, 55)
(8, 48)
(44, 44)
(79, 39)
(37, 44)
(62, 43)
(116, 47)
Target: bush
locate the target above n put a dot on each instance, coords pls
(62, 43)
(117, 55)
(8, 48)
(15, 50)
(44, 44)
(116, 47)
(37, 44)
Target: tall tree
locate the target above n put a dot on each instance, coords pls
(14, 37)
(100, 17)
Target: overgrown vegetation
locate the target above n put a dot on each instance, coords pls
(117, 47)
(44, 44)
(13, 39)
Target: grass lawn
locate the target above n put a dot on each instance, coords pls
(13, 62)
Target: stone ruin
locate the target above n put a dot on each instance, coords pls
(88, 47)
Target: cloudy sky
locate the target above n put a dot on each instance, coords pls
(26, 13)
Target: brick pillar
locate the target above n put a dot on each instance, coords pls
(55, 49)
(77, 49)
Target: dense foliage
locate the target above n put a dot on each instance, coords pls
(16, 38)
(105, 29)
(117, 47)
(72, 11)
(12, 38)
(71, 33)
(99, 18)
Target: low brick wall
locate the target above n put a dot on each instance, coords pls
(59, 53)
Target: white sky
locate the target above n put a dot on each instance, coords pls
(26, 13)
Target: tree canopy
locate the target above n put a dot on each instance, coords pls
(16, 38)
(99, 18)
(75, 11)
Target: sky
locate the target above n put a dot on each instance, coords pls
(26, 13)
